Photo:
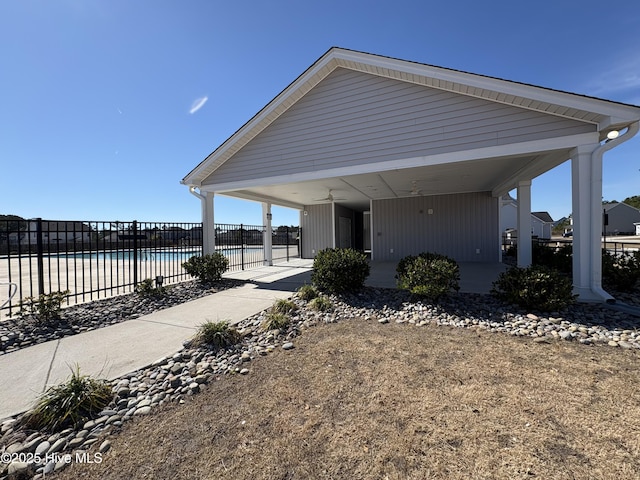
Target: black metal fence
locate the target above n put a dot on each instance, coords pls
(96, 259)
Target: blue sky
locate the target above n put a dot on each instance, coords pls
(107, 104)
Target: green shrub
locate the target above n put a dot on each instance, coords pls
(276, 321)
(558, 258)
(321, 304)
(46, 309)
(307, 292)
(428, 275)
(70, 404)
(536, 287)
(207, 268)
(146, 288)
(620, 272)
(284, 306)
(217, 335)
(340, 270)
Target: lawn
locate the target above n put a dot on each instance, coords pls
(364, 400)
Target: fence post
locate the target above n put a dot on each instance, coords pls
(242, 245)
(287, 237)
(40, 256)
(135, 254)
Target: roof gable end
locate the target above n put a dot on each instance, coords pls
(603, 113)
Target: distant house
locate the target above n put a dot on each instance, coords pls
(54, 232)
(621, 219)
(541, 222)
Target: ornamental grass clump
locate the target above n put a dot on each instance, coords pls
(340, 270)
(428, 275)
(536, 287)
(69, 404)
(284, 306)
(321, 304)
(207, 268)
(307, 292)
(217, 335)
(276, 321)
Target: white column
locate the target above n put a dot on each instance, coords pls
(586, 188)
(524, 223)
(208, 225)
(268, 234)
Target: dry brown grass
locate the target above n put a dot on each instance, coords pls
(358, 400)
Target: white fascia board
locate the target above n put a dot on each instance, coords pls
(262, 199)
(497, 151)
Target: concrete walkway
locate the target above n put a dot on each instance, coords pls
(125, 347)
(122, 348)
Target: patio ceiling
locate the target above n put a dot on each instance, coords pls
(497, 175)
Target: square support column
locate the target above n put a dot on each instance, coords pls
(524, 223)
(268, 234)
(586, 187)
(208, 225)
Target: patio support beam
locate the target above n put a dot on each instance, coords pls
(268, 234)
(208, 225)
(524, 223)
(586, 186)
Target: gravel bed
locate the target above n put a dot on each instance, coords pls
(173, 379)
(21, 332)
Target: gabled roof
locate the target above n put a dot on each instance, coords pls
(609, 206)
(543, 216)
(607, 115)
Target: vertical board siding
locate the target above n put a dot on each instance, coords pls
(353, 118)
(316, 229)
(459, 225)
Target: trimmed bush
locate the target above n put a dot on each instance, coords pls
(46, 308)
(428, 275)
(559, 258)
(536, 287)
(307, 292)
(70, 404)
(339, 270)
(207, 268)
(217, 335)
(620, 272)
(146, 288)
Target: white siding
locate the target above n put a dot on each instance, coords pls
(353, 118)
(317, 230)
(463, 226)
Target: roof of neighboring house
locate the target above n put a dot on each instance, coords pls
(64, 226)
(543, 216)
(610, 206)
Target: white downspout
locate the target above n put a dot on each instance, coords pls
(596, 160)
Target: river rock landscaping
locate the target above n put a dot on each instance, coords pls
(187, 372)
(20, 332)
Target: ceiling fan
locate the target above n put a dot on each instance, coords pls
(414, 189)
(329, 198)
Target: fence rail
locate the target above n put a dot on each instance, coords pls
(96, 259)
